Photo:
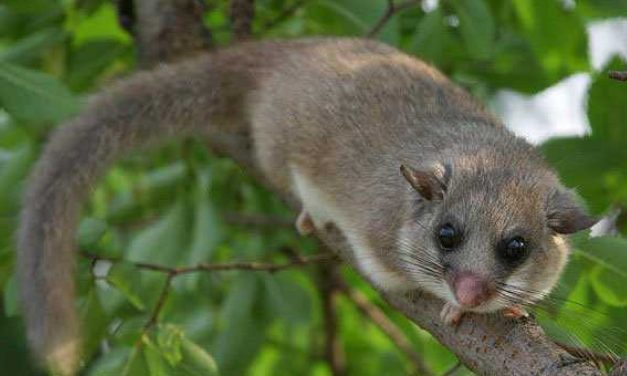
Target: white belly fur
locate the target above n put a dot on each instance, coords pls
(322, 209)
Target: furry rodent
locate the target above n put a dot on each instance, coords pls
(429, 189)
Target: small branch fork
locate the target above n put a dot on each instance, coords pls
(173, 272)
(391, 10)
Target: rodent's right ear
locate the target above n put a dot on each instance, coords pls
(431, 182)
(565, 213)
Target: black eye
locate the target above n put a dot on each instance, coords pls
(448, 237)
(514, 250)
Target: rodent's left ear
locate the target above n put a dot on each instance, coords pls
(565, 213)
(430, 182)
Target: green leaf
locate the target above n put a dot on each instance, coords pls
(14, 166)
(32, 45)
(608, 287)
(369, 12)
(166, 240)
(609, 276)
(136, 365)
(30, 95)
(430, 37)
(126, 279)
(354, 17)
(101, 24)
(90, 231)
(206, 234)
(340, 9)
(602, 8)
(110, 363)
(94, 321)
(91, 59)
(477, 27)
(286, 299)
(587, 163)
(240, 340)
(154, 190)
(11, 297)
(33, 6)
(173, 354)
(196, 361)
(556, 34)
(169, 341)
(607, 111)
(157, 365)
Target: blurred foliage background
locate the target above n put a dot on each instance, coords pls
(180, 205)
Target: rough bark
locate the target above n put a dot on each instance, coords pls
(488, 345)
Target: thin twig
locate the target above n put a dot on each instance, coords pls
(208, 267)
(618, 75)
(390, 11)
(329, 289)
(160, 302)
(379, 318)
(283, 15)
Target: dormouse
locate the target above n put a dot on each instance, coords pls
(430, 190)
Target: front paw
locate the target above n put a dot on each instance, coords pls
(515, 312)
(304, 224)
(451, 314)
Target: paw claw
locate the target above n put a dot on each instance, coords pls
(515, 312)
(451, 314)
(304, 224)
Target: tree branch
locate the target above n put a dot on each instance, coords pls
(204, 267)
(333, 351)
(242, 13)
(618, 75)
(379, 318)
(391, 10)
(154, 316)
(167, 30)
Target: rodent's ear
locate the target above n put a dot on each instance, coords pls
(431, 183)
(565, 213)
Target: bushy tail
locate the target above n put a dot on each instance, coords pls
(172, 101)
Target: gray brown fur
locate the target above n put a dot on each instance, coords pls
(345, 113)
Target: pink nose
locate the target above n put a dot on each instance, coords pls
(470, 290)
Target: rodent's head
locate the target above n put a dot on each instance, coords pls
(483, 238)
